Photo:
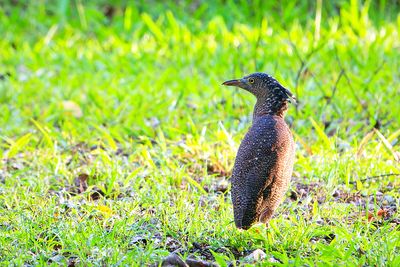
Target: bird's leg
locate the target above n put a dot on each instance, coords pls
(268, 236)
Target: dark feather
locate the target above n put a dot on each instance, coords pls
(264, 162)
(262, 171)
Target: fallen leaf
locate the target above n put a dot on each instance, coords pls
(382, 213)
(81, 182)
(104, 209)
(72, 108)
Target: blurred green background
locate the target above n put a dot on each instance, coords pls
(124, 98)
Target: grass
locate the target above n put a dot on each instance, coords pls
(117, 138)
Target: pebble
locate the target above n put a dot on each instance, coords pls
(173, 260)
(256, 255)
(388, 199)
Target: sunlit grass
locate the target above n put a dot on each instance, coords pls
(135, 102)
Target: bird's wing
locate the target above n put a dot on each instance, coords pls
(254, 169)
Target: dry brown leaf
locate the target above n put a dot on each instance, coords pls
(81, 182)
(382, 213)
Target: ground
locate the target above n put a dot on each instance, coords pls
(117, 139)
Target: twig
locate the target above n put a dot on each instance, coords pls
(376, 71)
(303, 66)
(374, 177)
(257, 44)
(328, 101)
(349, 82)
(296, 81)
(347, 77)
(299, 71)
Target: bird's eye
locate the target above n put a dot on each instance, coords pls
(251, 80)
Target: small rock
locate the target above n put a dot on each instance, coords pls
(138, 240)
(203, 201)
(397, 156)
(23, 73)
(191, 105)
(57, 258)
(273, 260)
(222, 186)
(96, 193)
(302, 192)
(153, 122)
(395, 221)
(17, 166)
(388, 199)
(81, 182)
(172, 244)
(157, 239)
(173, 260)
(256, 255)
(293, 195)
(198, 263)
(2, 177)
(73, 261)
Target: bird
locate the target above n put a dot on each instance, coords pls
(264, 162)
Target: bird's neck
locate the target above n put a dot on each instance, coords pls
(270, 106)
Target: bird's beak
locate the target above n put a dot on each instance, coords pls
(231, 83)
(293, 100)
(290, 97)
(237, 82)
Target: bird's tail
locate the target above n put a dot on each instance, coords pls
(244, 217)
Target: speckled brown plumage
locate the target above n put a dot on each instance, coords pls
(264, 162)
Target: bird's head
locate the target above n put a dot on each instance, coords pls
(263, 85)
